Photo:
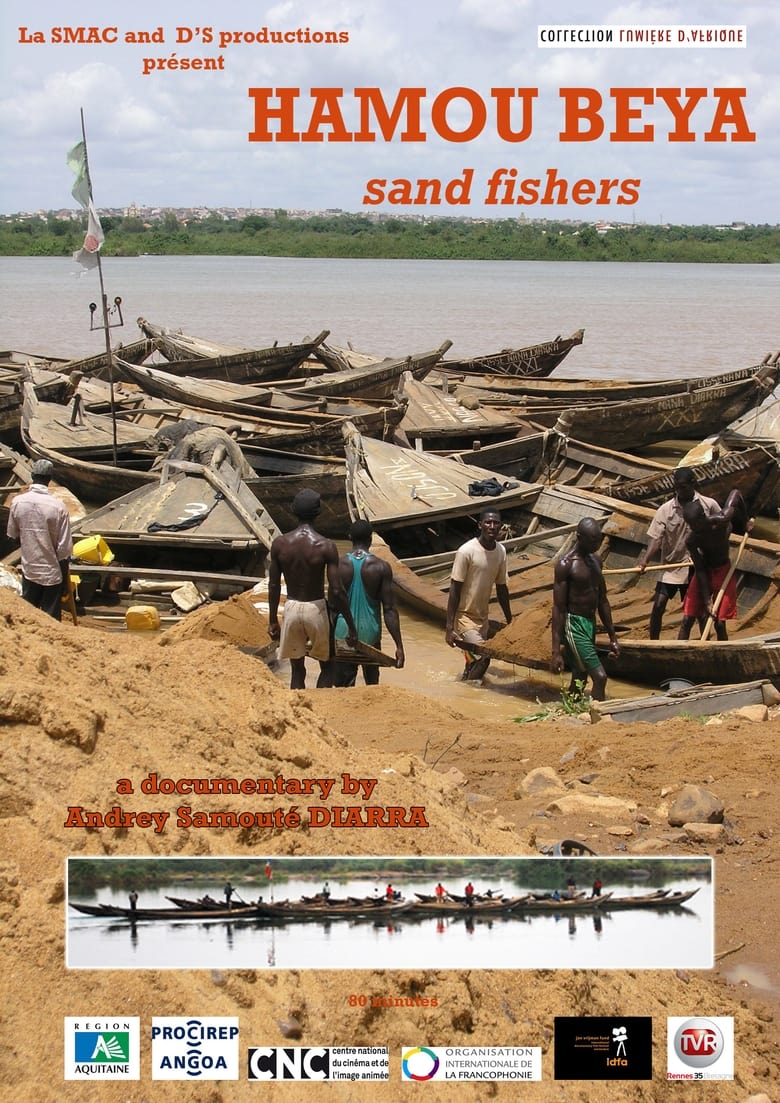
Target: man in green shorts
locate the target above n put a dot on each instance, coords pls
(578, 593)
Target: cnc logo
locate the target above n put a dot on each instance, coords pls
(295, 1063)
(105, 1048)
(700, 1049)
(194, 1049)
(318, 1063)
(604, 1048)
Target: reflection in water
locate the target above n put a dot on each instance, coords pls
(417, 941)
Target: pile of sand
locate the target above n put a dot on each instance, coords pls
(82, 709)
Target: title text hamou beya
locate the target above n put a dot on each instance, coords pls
(461, 114)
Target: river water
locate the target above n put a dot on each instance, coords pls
(641, 321)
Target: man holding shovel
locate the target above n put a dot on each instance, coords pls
(668, 534)
(712, 593)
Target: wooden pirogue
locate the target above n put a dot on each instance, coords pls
(371, 909)
(282, 912)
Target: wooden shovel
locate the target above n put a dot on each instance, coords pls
(716, 603)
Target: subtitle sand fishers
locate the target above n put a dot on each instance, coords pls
(668, 534)
(479, 564)
(578, 593)
(305, 558)
(708, 545)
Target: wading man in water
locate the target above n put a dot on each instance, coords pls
(304, 558)
(479, 565)
(708, 545)
(578, 593)
(368, 581)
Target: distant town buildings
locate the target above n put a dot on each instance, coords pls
(188, 215)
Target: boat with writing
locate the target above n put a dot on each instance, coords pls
(691, 409)
(639, 422)
(596, 415)
(202, 516)
(500, 390)
(533, 360)
(201, 357)
(436, 419)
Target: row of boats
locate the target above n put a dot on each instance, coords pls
(379, 908)
(402, 442)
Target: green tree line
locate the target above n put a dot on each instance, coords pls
(89, 874)
(358, 237)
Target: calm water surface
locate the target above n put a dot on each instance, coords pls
(640, 320)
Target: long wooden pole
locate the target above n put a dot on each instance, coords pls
(716, 603)
(652, 567)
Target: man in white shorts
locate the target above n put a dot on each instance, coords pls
(479, 565)
(304, 558)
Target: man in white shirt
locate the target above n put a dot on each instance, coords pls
(669, 534)
(479, 565)
(41, 524)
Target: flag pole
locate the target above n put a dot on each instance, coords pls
(104, 303)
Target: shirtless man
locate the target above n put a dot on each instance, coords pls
(304, 558)
(368, 581)
(579, 592)
(708, 545)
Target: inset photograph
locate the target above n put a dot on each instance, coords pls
(405, 913)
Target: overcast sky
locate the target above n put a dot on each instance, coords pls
(180, 138)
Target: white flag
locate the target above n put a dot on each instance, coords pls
(87, 256)
(77, 163)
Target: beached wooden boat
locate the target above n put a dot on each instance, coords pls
(16, 477)
(399, 488)
(536, 360)
(48, 384)
(378, 379)
(690, 701)
(204, 515)
(552, 459)
(643, 421)
(276, 408)
(134, 352)
(437, 419)
(501, 390)
(237, 365)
